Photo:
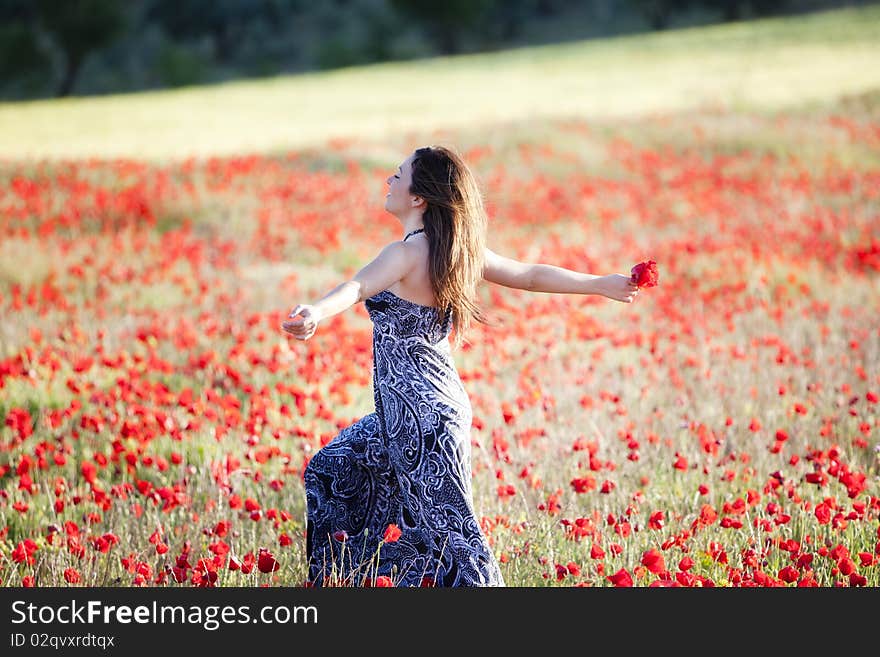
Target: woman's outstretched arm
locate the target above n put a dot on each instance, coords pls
(555, 280)
(394, 262)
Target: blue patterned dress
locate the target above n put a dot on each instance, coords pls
(407, 463)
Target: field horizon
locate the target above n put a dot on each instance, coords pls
(758, 66)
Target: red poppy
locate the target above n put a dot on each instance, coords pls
(266, 562)
(788, 574)
(583, 484)
(645, 274)
(653, 561)
(656, 520)
(392, 533)
(621, 578)
(89, 471)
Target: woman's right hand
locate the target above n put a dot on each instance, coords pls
(302, 322)
(619, 287)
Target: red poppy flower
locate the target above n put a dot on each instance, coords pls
(653, 561)
(392, 533)
(621, 578)
(583, 484)
(858, 580)
(89, 471)
(788, 574)
(645, 274)
(656, 520)
(266, 562)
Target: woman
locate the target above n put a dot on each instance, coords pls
(408, 463)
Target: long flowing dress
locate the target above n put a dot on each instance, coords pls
(407, 463)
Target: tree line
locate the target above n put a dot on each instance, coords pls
(64, 47)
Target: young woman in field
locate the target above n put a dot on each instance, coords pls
(408, 463)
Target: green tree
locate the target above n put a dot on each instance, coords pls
(22, 61)
(658, 13)
(79, 27)
(225, 21)
(445, 21)
(734, 10)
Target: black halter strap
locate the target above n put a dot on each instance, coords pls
(417, 230)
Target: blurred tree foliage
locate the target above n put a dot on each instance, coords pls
(445, 21)
(74, 27)
(59, 47)
(658, 13)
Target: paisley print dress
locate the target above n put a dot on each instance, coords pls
(407, 463)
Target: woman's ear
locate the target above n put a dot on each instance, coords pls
(417, 201)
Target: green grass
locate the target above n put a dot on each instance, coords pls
(756, 66)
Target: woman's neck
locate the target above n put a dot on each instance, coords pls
(414, 224)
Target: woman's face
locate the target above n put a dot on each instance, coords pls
(398, 200)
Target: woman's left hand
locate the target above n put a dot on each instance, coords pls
(304, 326)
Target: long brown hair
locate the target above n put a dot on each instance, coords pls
(455, 224)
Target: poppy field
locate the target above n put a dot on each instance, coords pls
(723, 430)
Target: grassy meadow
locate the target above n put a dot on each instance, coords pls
(764, 65)
(721, 431)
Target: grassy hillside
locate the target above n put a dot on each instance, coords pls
(758, 66)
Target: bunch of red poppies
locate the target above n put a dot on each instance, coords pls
(645, 274)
